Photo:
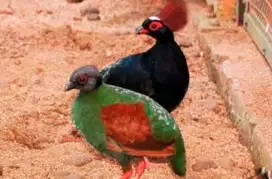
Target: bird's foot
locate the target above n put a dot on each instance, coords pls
(127, 175)
(141, 167)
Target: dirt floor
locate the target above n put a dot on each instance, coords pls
(44, 41)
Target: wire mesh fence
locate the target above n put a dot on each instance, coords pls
(262, 9)
(258, 22)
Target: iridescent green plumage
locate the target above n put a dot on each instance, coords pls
(86, 115)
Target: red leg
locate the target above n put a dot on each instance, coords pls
(141, 167)
(128, 172)
(127, 175)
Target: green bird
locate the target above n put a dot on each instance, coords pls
(124, 124)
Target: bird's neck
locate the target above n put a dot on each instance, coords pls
(163, 45)
(94, 97)
(98, 91)
(166, 38)
(167, 53)
(98, 82)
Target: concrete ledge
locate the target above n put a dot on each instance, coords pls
(261, 144)
(255, 129)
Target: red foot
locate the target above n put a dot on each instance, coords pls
(127, 175)
(141, 167)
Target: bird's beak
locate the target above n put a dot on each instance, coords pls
(141, 30)
(69, 86)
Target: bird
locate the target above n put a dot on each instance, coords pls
(161, 72)
(124, 124)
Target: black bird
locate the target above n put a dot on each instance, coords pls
(161, 72)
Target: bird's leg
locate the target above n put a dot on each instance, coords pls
(128, 173)
(141, 167)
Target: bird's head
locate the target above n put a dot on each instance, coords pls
(154, 27)
(171, 18)
(86, 78)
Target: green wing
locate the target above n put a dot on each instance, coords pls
(163, 125)
(86, 118)
(166, 129)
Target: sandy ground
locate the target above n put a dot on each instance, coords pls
(42, 43)
(256, 98)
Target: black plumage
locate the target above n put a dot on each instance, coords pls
(160, 73)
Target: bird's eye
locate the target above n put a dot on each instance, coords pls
(155, 26)
(83, 79)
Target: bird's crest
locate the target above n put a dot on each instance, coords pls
(174, 14)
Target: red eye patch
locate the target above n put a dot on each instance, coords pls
(83, 79)
(155, 26)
